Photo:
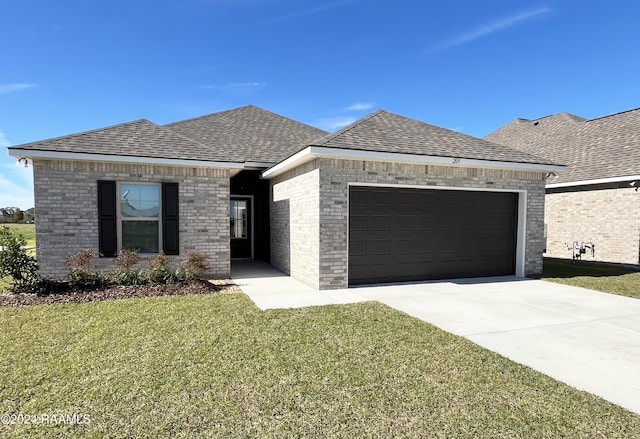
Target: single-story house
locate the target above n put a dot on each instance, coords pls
(593, 209)
(385, 199)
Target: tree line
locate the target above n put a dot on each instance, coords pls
(16, 215)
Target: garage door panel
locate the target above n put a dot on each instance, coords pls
(415, 234)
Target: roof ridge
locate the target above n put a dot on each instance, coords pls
(81, 133)
(613, 114)
(346, 128)
(215, 113)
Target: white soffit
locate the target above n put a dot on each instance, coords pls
(595, 181)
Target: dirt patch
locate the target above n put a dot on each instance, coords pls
(123, 292)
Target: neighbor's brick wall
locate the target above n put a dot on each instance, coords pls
(296, 187)
(295, 223)
(609, 218)
(66, 201)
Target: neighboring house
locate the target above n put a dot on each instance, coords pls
(595, 205)
(384, 199)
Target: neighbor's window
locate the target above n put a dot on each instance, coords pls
(238, 216)
(140, 217)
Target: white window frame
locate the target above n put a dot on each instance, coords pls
(120, 218)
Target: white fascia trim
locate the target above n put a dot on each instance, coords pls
(33, 154)
(595, 181)
(312, 152)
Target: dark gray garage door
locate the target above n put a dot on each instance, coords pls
(418, 234)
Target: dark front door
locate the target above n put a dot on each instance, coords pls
(240, 222)
(398, 234)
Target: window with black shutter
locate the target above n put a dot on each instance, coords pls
(138, 216)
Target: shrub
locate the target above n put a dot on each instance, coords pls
(194, 265)
(159, 270)
(127, 259)
(84, 275)
(14, 260)
(126, 273)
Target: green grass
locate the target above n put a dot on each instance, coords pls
(216, 366)
(26, 230)
(609, 278)
(29, 233)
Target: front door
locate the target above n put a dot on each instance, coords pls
(241, 233)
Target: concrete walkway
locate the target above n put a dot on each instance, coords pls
(587, 339)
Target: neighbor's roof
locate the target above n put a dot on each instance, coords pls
(382, 131)
(246, 134)
(605, 147)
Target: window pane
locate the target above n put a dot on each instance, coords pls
(139, 200)
(238, 214)
(141, 236)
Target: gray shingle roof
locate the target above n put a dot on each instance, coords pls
(382, 131)
(248, 134)
(140, 138)
(604, 147)
(245, 134)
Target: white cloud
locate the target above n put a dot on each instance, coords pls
(244, 86)
(10, 88)
(311, 11)
(360, 106)
(491, 28)
(334, 123)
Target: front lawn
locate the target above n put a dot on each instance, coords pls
(609, 278)
(216, 366)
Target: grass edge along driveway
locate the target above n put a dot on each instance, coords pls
(216, 366)
(608, 278)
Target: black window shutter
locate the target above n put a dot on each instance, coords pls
(170, 241)
(107, 230)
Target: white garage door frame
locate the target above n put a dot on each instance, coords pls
(521, 232)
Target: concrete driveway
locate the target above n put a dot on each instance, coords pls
(587, 339)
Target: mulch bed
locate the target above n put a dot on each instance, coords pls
(123, 292)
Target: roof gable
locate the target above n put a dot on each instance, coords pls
(382, 131)
(600, 148)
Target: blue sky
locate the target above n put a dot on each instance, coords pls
(469, 65)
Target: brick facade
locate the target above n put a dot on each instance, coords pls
(319, 191)
(295, 223)
(608, 218)
(67, 220)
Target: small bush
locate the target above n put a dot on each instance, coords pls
(126, 273)
(159, 270)
(84, 275)
(123, 276)
(194, 265)
(127, 259)
(14, 261)
(42, 287)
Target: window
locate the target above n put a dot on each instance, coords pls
(239, 217)
(140, 216)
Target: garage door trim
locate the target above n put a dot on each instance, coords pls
(521, 213)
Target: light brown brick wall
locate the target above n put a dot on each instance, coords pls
(609, 218)
(66, 202)
(331, 209)
(295, 224)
